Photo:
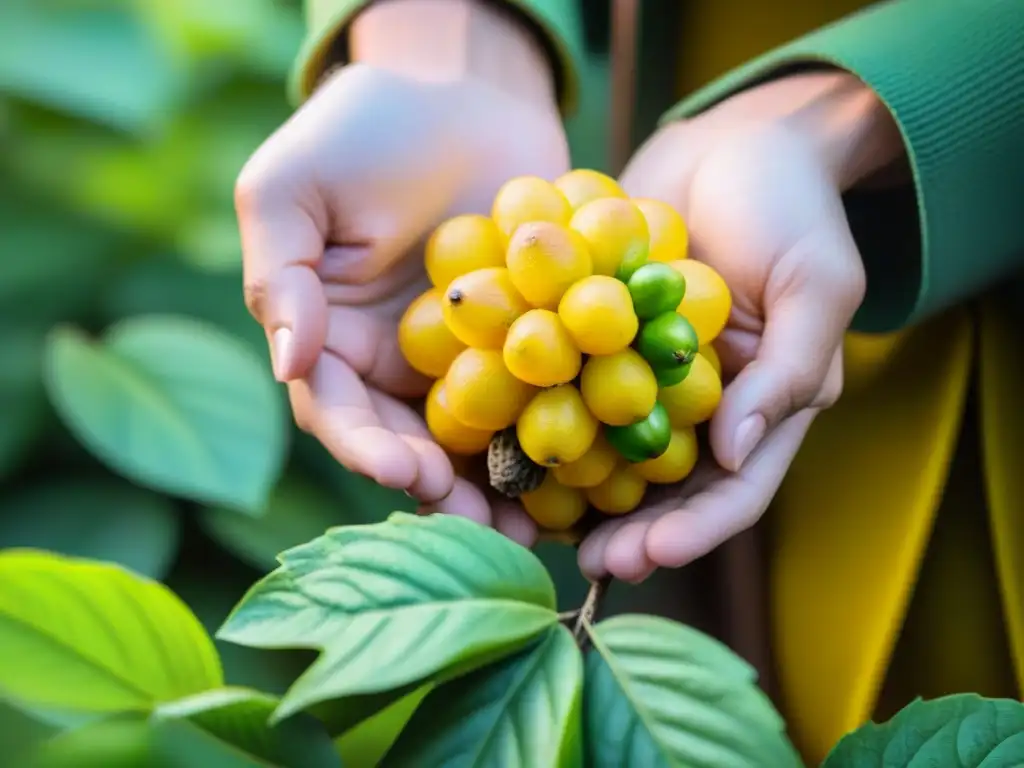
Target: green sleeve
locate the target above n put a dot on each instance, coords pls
(952, 74)
(557, 22)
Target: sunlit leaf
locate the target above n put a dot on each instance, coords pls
(172, 404)
(297, 512)
(96, 518)
(365, 745)
(524, 710)
(961, 731)
(124, 742)
(93, 637)
(393, 605)
(661, 694)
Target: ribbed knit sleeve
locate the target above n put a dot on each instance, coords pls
(952, 74)
(557, 22)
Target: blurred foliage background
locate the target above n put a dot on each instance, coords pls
(140, 423)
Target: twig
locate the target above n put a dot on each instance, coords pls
(590, 609)
(568, 615)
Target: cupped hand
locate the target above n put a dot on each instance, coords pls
(334, 209)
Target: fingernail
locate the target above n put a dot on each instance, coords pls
(748, 435)
(281, 352)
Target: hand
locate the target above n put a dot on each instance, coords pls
(759, 180)
(335, 206)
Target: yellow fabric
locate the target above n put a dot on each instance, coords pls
(884, 586)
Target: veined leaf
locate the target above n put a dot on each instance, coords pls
(394, 605)
(92, 637)
(663, 695)
(522, 711)
(173, 404)
(962, 731)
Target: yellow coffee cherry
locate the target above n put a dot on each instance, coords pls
(676, 463)
(461, 245)
(427, 343)
(556, 428)
(480, 306)
(695, 398)
(711, 354)
(450, 433)
(619, 388)
(592, 468)
(544, 259)
(598, 313)
(482, 393)
(666, 229)
(528, 198)
(582, 185)
(553, 506)
(616, 234)
(707, 302)
(540, 351)
(620, 493)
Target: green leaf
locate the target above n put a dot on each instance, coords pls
(102, 65)
(659, 693)
(115, 743)
(172, 404)
(297, 512)
(228, 728)
(365, 745)
(93, 637)
(101, 519)
(22, 401)
(395, 604)
(524, 710)
(962, 731)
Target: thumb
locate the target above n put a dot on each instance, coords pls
(281, 249)
(811, 296)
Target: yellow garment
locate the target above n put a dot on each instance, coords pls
(876, 596)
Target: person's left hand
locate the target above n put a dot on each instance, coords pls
(759, 180)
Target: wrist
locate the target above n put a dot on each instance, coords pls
(449, 41)
(843, 121)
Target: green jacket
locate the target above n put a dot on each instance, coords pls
(952, 71)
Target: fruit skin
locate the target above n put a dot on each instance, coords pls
(482, 393)
(553, 506)
(668, 236)
(709, 351)
(694, 400)
(620, 493)
(619, 389)
(646, 439)
(540, 351)
(460, 245)
(616, 233)
(668, 342)
(556, 428)
(510, 471)
(655, 288)
(669, 377)
(480, 306)
(450, 433)
(707, 302)
(528, 198)
(592, 468)
(582, 185)
(598, 313)
(676, 463)
(426, 342)
(544, 259)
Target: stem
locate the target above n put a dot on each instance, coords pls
(590, 609)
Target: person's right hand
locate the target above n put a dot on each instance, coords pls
(334, 209)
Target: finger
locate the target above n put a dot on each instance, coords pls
(465, 500)
(809, 303)
(434, 473)
(732, 504)
(343, 418)
(369, 343)
(511, 520)
(281, 246)
(625, 555)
